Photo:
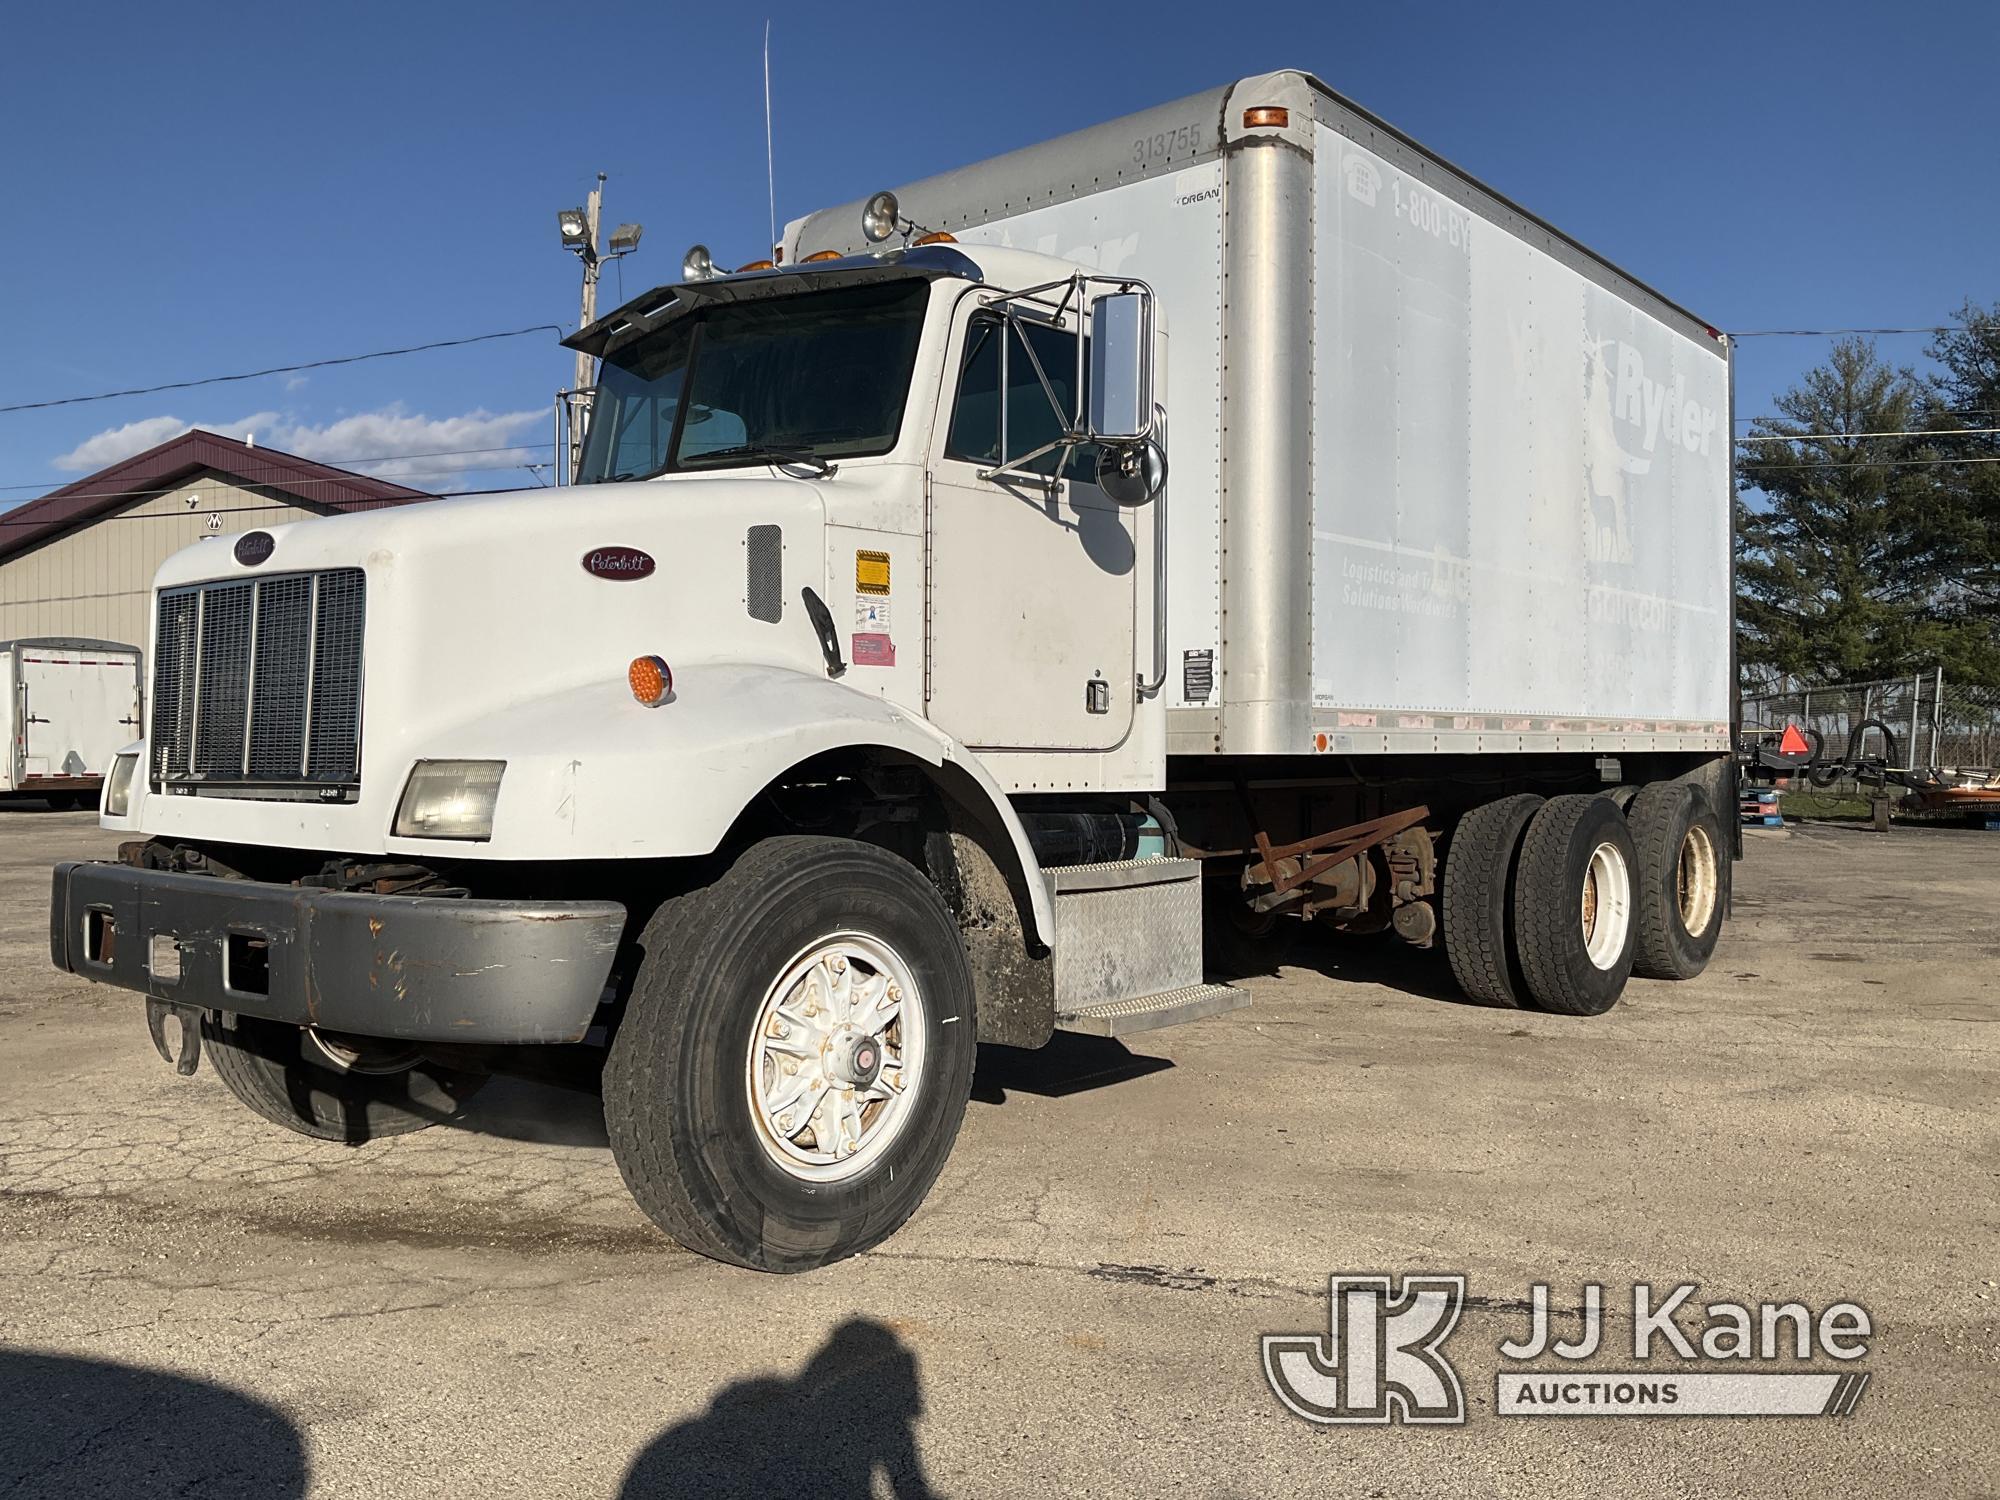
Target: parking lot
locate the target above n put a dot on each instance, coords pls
(200, 1303)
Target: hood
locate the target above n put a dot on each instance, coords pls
(480, 601)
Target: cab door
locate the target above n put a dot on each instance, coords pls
(1032, 576)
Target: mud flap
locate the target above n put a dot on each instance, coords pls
(157, 1012)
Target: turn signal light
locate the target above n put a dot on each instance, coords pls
(935, 237)
(652, 680)
(1271, 116)
(820, 255)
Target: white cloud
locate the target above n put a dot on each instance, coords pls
(114, 443)
(476, 449)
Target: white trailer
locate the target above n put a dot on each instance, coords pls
(1013, 608)
(67, 707)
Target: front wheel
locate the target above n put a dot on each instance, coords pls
(795, 1057)
(328, 1086)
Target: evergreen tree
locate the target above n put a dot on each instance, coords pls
(1851, 548)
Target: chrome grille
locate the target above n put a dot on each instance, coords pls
(257, 682)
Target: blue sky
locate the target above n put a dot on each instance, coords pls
(201, 189)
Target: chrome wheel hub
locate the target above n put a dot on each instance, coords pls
(836, 1058)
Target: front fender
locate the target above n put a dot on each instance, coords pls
(594, 774)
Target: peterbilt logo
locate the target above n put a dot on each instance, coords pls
(618, 562)
(254, 547)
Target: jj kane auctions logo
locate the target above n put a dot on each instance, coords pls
(1382, 1358)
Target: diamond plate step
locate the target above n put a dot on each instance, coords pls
(1128, 930)
(1151, 1012)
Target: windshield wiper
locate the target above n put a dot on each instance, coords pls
(764, 450)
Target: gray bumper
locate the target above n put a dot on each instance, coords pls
(413, 967)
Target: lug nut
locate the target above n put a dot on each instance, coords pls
(777, 1028)
(791, 1066)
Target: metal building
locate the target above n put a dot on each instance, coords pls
(79, 562)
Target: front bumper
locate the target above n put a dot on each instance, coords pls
(416, 968)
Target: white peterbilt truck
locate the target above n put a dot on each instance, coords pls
(1012, 609)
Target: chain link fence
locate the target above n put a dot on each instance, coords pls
(1931, 722)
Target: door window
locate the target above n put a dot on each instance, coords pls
(1031, 419)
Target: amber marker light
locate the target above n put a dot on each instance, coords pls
(935, 237)
(652, 680)
(820, 255)
(1267, 116)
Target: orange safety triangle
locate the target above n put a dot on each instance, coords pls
(1793, 742)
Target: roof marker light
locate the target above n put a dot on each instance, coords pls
(820, 255)
(1267, 116)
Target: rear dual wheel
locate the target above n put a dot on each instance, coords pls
(1538, 903)
(1555, 904)
(1683, 880)
(1574, 900)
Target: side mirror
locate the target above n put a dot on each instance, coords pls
(1131, 473)
(1121, 367)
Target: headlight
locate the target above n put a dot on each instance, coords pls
(118, 789)
(449, 799)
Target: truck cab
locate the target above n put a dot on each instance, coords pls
(857, 549)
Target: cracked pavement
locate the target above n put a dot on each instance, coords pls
(197, 1302)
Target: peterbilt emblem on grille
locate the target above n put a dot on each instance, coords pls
(617, 562)
(254, 547)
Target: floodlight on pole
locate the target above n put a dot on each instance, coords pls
(625, 238)
(574, 225)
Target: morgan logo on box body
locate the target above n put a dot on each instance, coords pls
(618, 563)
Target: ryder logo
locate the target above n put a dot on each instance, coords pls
(1379, 1361)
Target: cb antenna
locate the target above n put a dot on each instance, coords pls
(770, 162)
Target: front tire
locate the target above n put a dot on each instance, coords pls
(795, 1057)
(328, 1087)
(1683, 873)
(1573, 905)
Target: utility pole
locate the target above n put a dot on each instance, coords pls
(586, 374)
(579, 228)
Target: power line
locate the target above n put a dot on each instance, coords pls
(314, 364)
(1877, 463)
(1829, 333)
(1943, 411)
(1807, 437)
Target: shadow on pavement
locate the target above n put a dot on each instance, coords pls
(1377, 958)
(1070, 1064)
(542, 1114)
(849, 1415)
(75, 1427)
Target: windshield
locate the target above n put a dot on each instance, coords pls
(818, 374)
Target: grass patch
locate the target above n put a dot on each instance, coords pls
(1826, 807)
